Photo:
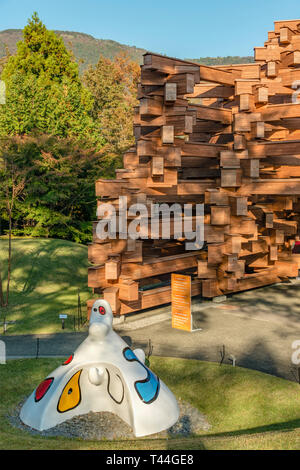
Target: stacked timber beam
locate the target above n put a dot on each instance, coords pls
(227, 137)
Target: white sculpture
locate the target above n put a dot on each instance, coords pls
(103, 374)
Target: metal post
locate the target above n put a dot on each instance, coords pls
(37, 347)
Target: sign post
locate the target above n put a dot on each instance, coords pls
(181, 288)
(63, 317)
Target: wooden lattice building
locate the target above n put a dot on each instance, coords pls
(228, 137)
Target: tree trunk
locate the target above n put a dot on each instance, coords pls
(1, 289)
(9, 259)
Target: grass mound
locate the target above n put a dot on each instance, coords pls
(246, 409)
(46, 276)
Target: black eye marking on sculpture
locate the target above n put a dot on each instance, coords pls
(108, 388)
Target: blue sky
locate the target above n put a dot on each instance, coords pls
(178, 28)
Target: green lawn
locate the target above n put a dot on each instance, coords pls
(46, 276)
(247, 409)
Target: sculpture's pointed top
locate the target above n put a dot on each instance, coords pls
(101, 313)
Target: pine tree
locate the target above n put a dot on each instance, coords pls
(43, 89)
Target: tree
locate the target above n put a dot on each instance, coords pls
(113, 84)
(48, 129)
(43, 89)
(12, 185)
(58, 199)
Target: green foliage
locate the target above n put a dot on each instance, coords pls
(61, 133)
(113, 85)
(43, 89)
(58, 198)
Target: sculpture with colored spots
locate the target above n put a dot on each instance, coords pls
(103, 374)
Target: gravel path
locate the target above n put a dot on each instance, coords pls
(104, 425)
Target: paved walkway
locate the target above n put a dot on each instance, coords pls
(258, 327)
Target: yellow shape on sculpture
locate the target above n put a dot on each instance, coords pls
(71, 394)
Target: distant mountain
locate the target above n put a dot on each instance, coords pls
(87, 49)
(228, 60)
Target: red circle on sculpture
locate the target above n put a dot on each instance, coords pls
(43, 388)
(67, 361)
(102, 310)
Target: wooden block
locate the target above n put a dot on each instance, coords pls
(210, 288)
(239, 142)
(240, 269)
(272, 69)
(152, 78)
(108, 188)
(258, 261)
(242, 123)
(290, 58)
(277, 237)
(273, 253)
(259, 246)
(146, 148)
(167, 134)
(230, 262)
(181, 123)
(110, 294)
(230, 178)
(257, 130)
(135, 256)
(233, 244)
(128, 290)
(214, 114)
(205, 271)
(242, 225)
(220, 215)
(289, 227)
(130, 245)
(185, 83)
(265, 54)
(215, 252)
(260, 94)
(117, 246)
(244, 86)
(269, 218)
(157, 166)
(171, 155)
(130, 160)
(239, 205)
(246, 102)
(98, 253)
(215, 233)
(214, 196)
(170, 92)
(251, 168)
(231, 284)
(286, 268)
(112, 269)
(229, 159)
(250, 71)
(151, 106)
(285, 35)
(263, 278)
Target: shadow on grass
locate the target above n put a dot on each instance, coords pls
(275, 427)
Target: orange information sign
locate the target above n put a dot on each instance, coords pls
(181, 302)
